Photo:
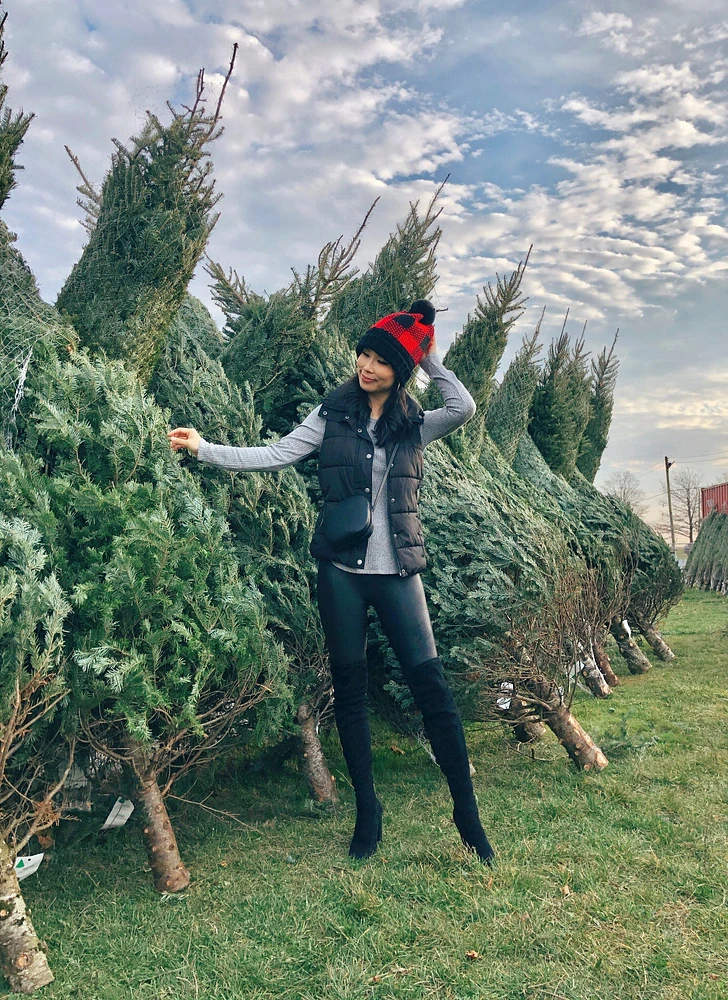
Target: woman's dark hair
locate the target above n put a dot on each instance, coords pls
(394, 423)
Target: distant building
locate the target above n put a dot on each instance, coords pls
(714, 498)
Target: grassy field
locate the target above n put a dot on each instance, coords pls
(608, 887)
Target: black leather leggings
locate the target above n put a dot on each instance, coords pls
(399, 601)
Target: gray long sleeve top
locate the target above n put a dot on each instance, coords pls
(305, 439)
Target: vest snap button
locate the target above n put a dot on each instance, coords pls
(392, 499)
(366, 489)
(358, 562)
(369, 456)
(358, 430)
(403, 572)
(395, 534)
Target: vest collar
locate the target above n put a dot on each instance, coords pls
(342, 403)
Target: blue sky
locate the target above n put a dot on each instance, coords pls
(597, 133)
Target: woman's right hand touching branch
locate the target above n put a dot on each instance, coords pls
(184, 437)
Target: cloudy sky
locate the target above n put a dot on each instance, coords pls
(595, 133)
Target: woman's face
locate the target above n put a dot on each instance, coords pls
(375, 374)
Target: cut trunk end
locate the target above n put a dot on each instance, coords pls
(575, 740)
(658, 645)
(635, 659)
(22, 959)
(168, 870)
(321, 781)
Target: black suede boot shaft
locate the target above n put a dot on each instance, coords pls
(352, 722)
(444, 729)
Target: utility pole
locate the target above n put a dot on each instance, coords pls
(668, 466)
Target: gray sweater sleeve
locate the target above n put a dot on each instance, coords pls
(459, 404)
(303, 441)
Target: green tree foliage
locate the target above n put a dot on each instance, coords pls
(162, 622)
(148, 228)
(270, 515)
(33, 612)
(601, 403)
(283, 345)
(12, 128)
(560, 408)
(476, 354)
(404, 270)
(507, 415)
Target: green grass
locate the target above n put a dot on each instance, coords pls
(608, 887)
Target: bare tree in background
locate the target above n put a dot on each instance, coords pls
(625, 486)
(686, 507)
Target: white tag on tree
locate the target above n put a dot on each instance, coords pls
(120, 813)
(27, 865)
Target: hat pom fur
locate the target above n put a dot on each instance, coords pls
(426, 309)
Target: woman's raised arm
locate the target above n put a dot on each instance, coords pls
(303, 441)
(459, 404)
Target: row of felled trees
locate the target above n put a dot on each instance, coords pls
(155, 612)
(707, 565)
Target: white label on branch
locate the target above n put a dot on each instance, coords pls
(627, 629)
(120, 813)
(27, 865)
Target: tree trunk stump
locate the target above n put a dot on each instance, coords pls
(593, 677)
(604, 664)
(658, 645)
(22, 959)
(575, 740)
(321, 781)
(168, 869)
(635, 659)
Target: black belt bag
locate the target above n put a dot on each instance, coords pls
(347, 522)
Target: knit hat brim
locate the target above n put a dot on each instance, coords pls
(389, 348)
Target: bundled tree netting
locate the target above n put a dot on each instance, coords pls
(604, 372)
(30, 331)
(507, 415)
(148, 227)
(707, 565)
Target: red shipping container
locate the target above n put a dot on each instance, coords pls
(714, 498)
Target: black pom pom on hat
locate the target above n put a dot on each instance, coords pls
(425, 309)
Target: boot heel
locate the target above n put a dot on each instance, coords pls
(367, 832)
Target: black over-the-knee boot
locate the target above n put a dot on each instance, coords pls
(352, 722)
(444, 730)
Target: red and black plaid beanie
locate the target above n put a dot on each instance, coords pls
(402, 338)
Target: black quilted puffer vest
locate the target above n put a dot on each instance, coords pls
(344, 470)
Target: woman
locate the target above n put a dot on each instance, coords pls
(370, 433)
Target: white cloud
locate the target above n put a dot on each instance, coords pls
(616, 31)
(597, 23)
